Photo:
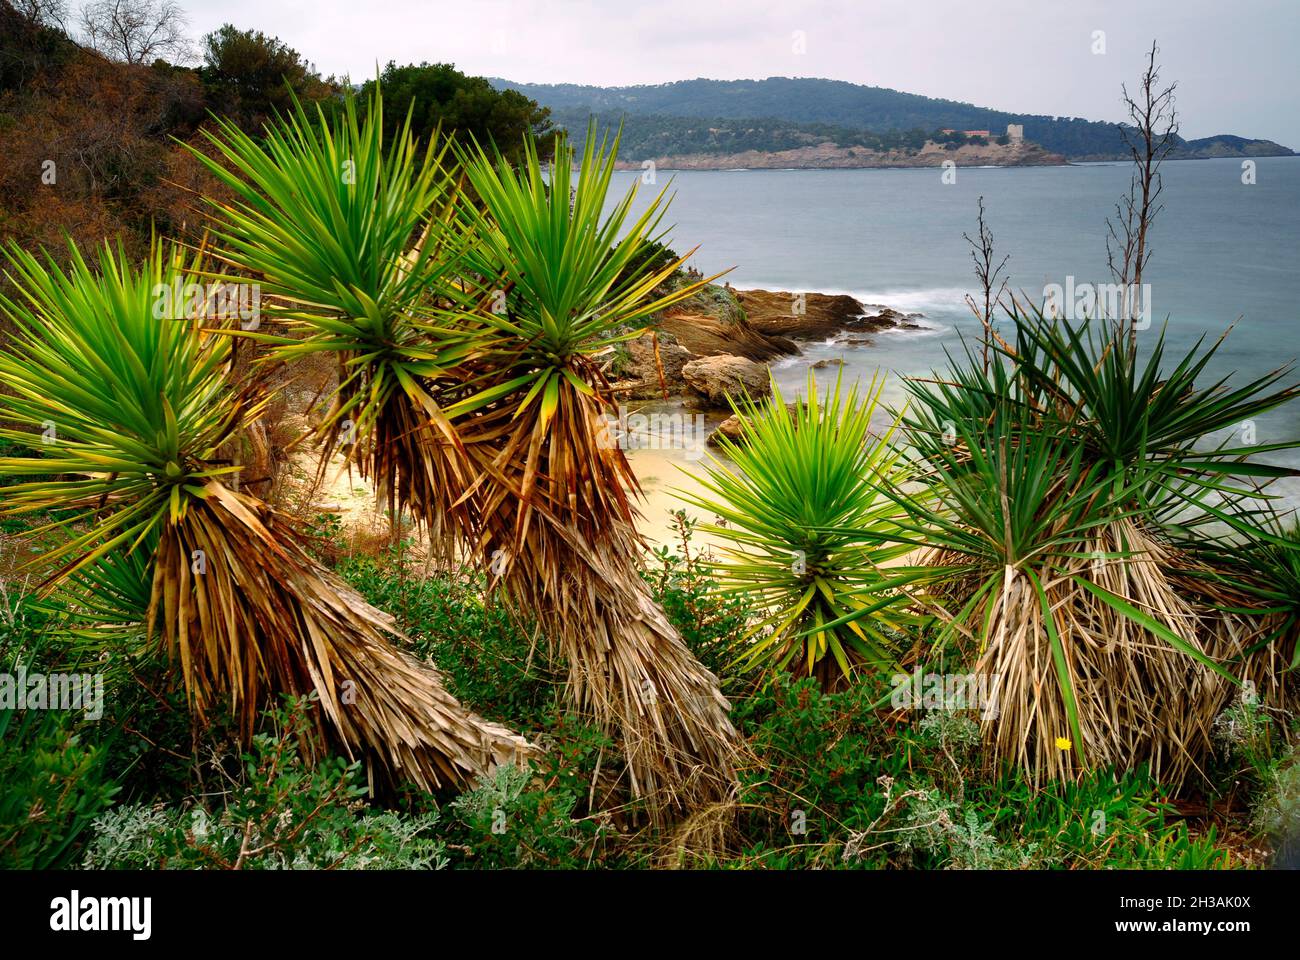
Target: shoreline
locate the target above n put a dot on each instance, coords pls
(671, 164)
(701, 357)
(724, 340)
(828, 156)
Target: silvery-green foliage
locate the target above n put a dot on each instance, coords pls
(139, 836)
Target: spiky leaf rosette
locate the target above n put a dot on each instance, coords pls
(1060, 487)
(557, 518)
(809, 536)
(125, 399)
(356, 244)
(130, 405)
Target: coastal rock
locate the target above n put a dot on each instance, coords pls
(705, 335)
(639, 374)
(755, 325)
(830, 362)
(730, 429)
(810, 316)
(733, 428)
(717, 377)
(887, 318)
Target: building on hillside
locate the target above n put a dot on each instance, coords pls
(1016, 132)
(975, 133)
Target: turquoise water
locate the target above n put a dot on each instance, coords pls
(1223, 251)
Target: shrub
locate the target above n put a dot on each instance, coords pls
(487, 659)
(707, 621)
(1063, 486)
(52, 786)
(280, 814)
(517, 819)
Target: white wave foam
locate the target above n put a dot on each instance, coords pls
(918, 327)
(923, 301)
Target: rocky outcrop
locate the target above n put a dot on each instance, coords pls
(753, 325)
(733, 428)
(705, 336)
(639, 374)
(811, 316)
(716, 378)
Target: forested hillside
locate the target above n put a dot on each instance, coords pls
(806, 102)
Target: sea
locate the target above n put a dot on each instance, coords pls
(1225, 252)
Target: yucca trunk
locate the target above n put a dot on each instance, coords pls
(251, 615)
(411, 457)
(629, 669)
(1138, 697)
(560, 543)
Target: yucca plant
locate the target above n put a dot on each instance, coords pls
(808, 536)
(1150, 420)
(1060, 488)
(355, 243)
(1258, 556)
(425, 316)
(555, 509)
(125, 395)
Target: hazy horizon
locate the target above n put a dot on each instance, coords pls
(1010, 55)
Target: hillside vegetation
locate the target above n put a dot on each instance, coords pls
(856, 110)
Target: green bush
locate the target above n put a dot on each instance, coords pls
(839, 782)
(707, 622)
(280, 814)
(524, 819)
(487, 660)
(52, 786)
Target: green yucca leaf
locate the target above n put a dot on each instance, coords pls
(115, 392)
(355, 243)
(1259, 559)
(566, 265)
(807, 533)
(1136, 412)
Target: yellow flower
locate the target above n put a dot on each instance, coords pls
(1062, 743)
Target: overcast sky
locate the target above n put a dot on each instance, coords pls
(1235, 63)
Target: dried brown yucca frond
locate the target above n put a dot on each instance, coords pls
(412, 457)
(1088, 530)
(1139, 698)
(559, 540)
(701, 838)
(250, 615)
